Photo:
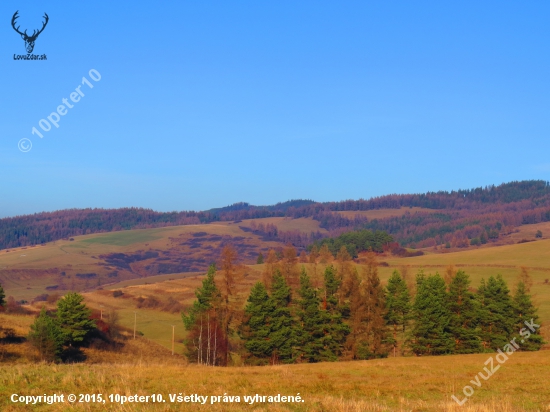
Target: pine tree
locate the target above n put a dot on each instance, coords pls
(525, 311)
(336, 329)
(464, 315)
(313, 324)
(260, 259)
(205, 342)
(256, 329)
(431, 334)
(73, 317)
(207, 296)
(496, 314)
(46, 337)
(398, 305)
(282, 334)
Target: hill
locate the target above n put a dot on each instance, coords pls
(434, 218)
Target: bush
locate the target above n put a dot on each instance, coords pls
(117, 293)
(538, 234)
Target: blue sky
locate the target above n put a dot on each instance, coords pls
(203, 104)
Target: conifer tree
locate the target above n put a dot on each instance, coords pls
(398, 305)
(336, 329)
(357, 309)
(431, 334)
(73, 318)
(256, 328)
(496, 313)
(283, 333)
(376, 345)
(260, 259)
(206, 343)
(525, 311)
(464, 315)
(46, 337)
(313, 324)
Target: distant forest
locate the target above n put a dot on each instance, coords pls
(458, 217)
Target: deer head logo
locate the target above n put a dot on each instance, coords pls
(29, 40)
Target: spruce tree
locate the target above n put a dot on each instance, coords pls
(398, 305)
(206, 343)
(525, 311)
(260, 259)
(73, 318)
(464, 315)
(336, 330)
(496, 313)
(283, 333)
(313, 324)
(46, 337)
(431, 334)
(256, 328)
(207, 296)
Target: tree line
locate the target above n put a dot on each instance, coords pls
(337, 312)
(457, 217)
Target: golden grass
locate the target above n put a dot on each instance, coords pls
(394, 384)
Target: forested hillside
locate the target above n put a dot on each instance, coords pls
(458, 217)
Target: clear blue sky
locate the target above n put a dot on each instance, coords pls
(202, 104)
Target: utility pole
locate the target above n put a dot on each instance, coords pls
(135, 319)
(173, 332)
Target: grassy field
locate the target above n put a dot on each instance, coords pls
(393, 384)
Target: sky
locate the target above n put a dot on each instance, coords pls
(201, 104)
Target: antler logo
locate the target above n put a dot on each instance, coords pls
(29, 40)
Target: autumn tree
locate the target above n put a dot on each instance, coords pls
(325, 255)
(313, 256)
(450, 272)
(228, 306)
(269, 268)
(289, 266)
(376, 345)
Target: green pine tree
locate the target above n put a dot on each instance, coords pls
(495, 314)
(283, 333)
(256, 329)
(73, 317)
(464, 315)
(206, 342)
(398, 306)
(336, 330)
(431, 334)
(260, 259)
(46, 337)
(525, 311)
(207, 297)
(313, 324)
